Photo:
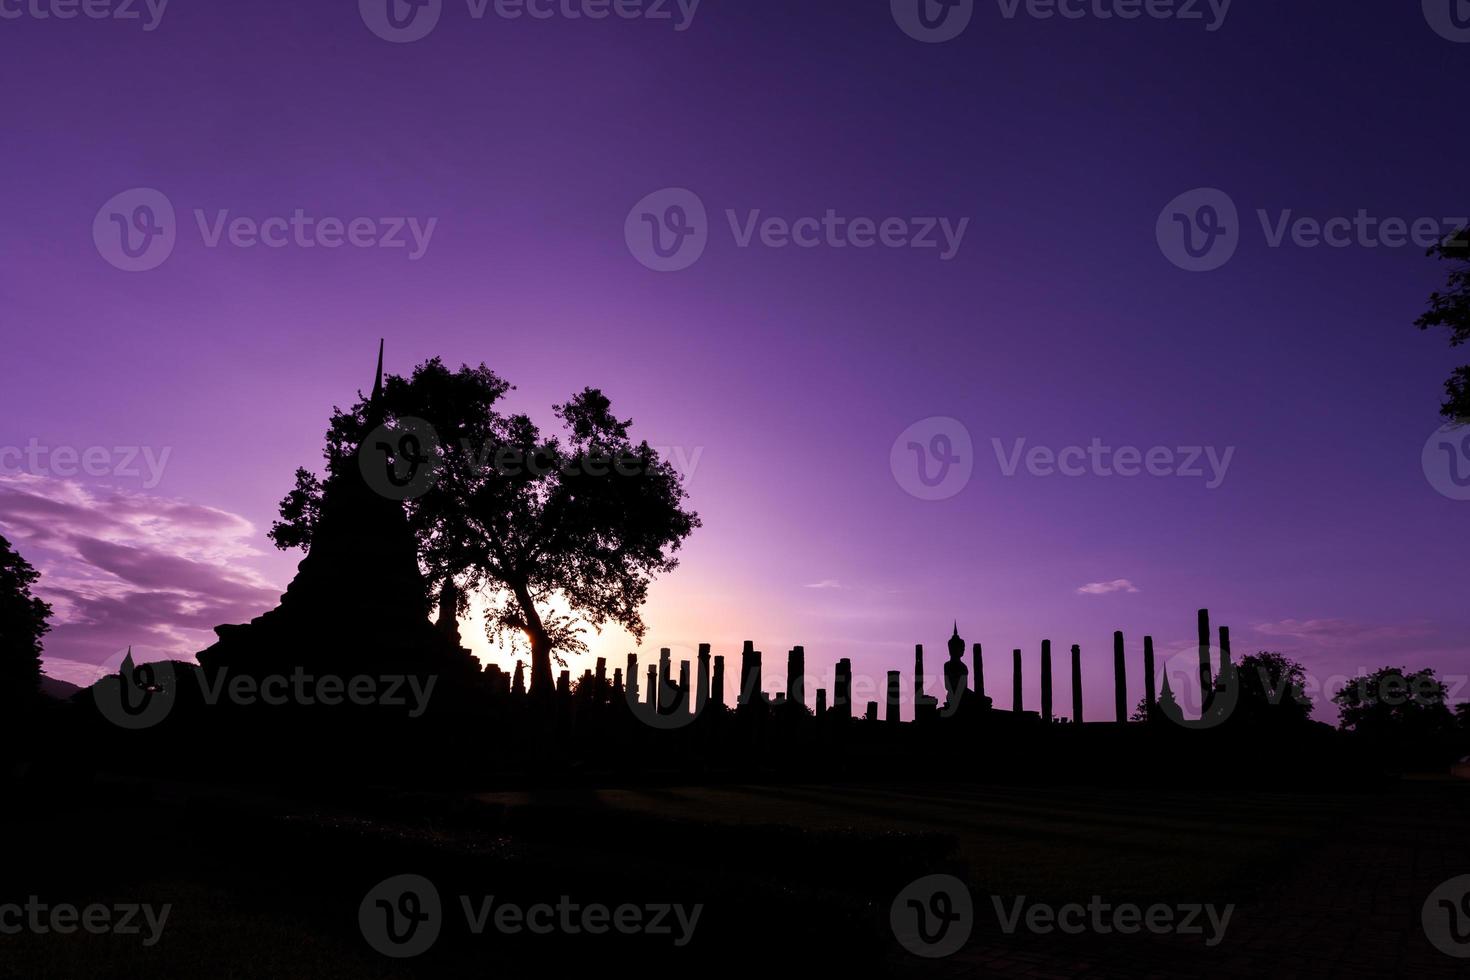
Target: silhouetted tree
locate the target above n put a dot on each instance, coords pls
(1451, 309)
(23, 621)
(587, 518)
(1462, 715)
(1393, 702)
(1272, 689)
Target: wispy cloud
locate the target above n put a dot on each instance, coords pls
(1341, 632)
(131, 569)
(1103, 588)
(826, 583)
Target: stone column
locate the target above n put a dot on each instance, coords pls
(796, 676)
(599, 684)
(701, 691)
(682, 701)
(1120, 678)
(1046, 681)
(979, 670)
(918, 672)
(650, 696)
(750, 675)
(1016, 681)
(717, 683)
(1149, 697)
(894, 687)
(665, 681)
(1076, 684)
(821, 701)
(1206, 682)
(842, 689)
(631, 676)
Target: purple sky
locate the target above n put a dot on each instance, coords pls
(784, 375)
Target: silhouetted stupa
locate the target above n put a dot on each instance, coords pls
(358, 603)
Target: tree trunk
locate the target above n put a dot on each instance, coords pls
(543, 686)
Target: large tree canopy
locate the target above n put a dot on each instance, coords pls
(1451, 309)
(586, 516)
(1393, 701)
(23, 621)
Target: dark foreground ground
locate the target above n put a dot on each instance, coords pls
(792, 878)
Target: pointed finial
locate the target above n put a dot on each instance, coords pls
(378, 382)
(957, 627)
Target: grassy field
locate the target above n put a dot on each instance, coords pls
(1070, 840)
(269, 883)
